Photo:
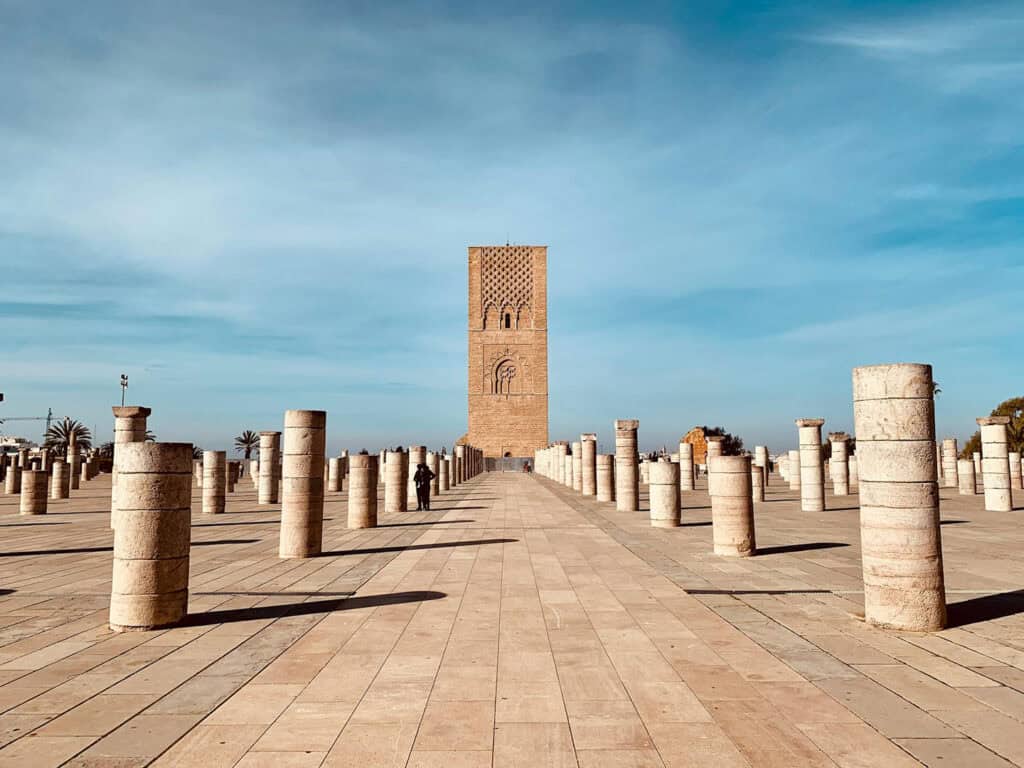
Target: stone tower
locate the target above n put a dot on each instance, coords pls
(508, 349)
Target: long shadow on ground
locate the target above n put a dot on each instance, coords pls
(985, 608)
(787, 548)
(304, 609)
(438, 545)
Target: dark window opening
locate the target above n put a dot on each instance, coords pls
(508, 320)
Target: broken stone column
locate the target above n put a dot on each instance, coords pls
(839, 466)
(444, 474)
(1015, 476)
(269, 488)
(335, 475)
(968, 483)
(995, 463)
(756, 482)
(686, 477)
(33, 492)
(793, 468)
(129, 427)
(12, 482)
(627, 473)
(812, 472)
(60, 486)
(605, 477)
(302, 484)
(214, 482)
(901, 543)
(761, 460)
(732, 506)
(149, 589)
(362, 491)
(588, 462)
(396, 496)
(73, 462)
(417, 455)
(949, 454)
(664, 493)
(577, 466)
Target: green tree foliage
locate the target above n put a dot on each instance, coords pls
(1014, 408)
(58, 434)
(248, 442)
(731, 446)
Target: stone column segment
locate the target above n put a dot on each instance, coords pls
(812, 471)
(129, 427)
(362, 491)
(967, 481)
(60, 485)
(335, 475)
(627, 473)
(269, 490)
(395, 492)
(417, 455)
(839, 466)
(757, 475)
(588, 459)
(793, 468)
(605, 477)
(1015, 474)
(214, 482)
(302, 484)
(732, 506)
(577, 466)
(949, 466)
(444, 474)
(33, 492)
(664, 493)
(686, 470)
(995, 463)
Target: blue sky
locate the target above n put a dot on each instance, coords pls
(249, 207)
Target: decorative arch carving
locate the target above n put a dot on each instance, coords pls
(506, 284)
(507, 373)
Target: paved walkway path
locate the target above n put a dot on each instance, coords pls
(515, 625)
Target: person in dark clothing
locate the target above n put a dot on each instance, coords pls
(422, 480)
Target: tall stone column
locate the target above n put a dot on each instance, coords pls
(577, 466)
(812, 472)
(451, 471)
(335, 475)
(627, 473)
(761, 460)
(434, 464)
(60, 487)
(663, 479)
(149, 589)
(362, 491)
(460, 463)
(396, 496)
(968, 483)
(269, 490)
(417, 455)
(73, 462)
(1015, 477)
(839, 466)
(793, 468)
(995, 463)
(214, 482)
(33, 492)
(949, 454)
(901, 543)
(757, 476)
(588, 460)
(444, 474)
(302, 497)
(129, 427)
(605, 477)
(686, 481)
(732, 506)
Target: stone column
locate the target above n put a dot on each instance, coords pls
(417, 455)
(645, 467)
(434, 465)
(686, 482)
(605, 477)
(12, 482)
(663, 479)
(757, 475)
(197, 472)
(214, 482)
(577, 466)
(362, 491)
(561, 449)
(335, 475)
(33, 492)
(149, 589)
(627, 473)
(60, 486)
(129, 427)
(234, 471)
(995, 463)
(451, 471)
(382, 457)
(783, 463)
(812, 473)
(715, 444)
(732, 506)
(460, 463)
(949, 454)
(761, 460)
(967, 482)
(73, 462)
(854, 474)
(85, 473)
(1015, 478)
(588, 460)
(396, 496)
(302, 496)
(839, 467)
(567, 470)
(444, 474)
(976, 458)
(938, 462)
(270, 479)
(793, 469)
(901, 543)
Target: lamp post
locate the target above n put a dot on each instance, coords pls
(124, 387)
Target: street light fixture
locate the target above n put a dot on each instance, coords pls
(124, 386)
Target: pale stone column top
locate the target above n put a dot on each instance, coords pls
(809, 422)
(588, 436)
(837, 437)
(627, 423)
(988, 421)
(714, 438)
(269, 433)
(130, 411)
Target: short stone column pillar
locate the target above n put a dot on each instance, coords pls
(460, 463)
(417, 455)
(129, 427)
(434, 465)
(949, 465)
(567, 470)
(839, 466)
(85, 473)
(269, 489)
(901, 543)
(456, 470)
(215, 465)
(976, 458)
(362, 491)
(854, 472)
(396, 495)
(149, 589)
(732, 506)
(715, 449)
(1015, 475)
(995, 463)
(197, 472)
(645, 467)
(812, 471)
(663, 479)
(60, 485)
(234, 472)
(382, 457)
(12, 482)
(783, 464)
(577, 466)
(444, 474)
(627, 473)
(561, 449)
(761, 460)
(793, 469)
(605, 477)
(588, 464)
(968, 482)
(686, 475)
(74, 462)
(757, 476)
(33, 492)
(335, 475)
(302, 476)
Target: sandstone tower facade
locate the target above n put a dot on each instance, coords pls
(508, 349)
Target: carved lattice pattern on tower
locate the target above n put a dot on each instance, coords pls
(506, 278)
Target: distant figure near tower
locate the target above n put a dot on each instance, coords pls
(508, 349)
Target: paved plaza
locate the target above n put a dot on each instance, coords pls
(517, 624)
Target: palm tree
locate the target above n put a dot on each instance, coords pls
(248, 441)
(936, 389)
(197, 452)
(150, 437)
(58, 434)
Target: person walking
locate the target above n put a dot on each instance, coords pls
(422, 480)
